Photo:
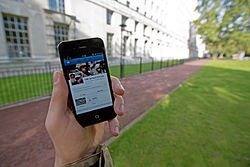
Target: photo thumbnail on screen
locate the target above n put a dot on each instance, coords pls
(79, 68)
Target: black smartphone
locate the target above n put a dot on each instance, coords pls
(87, 75)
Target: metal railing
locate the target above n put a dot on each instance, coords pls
(23, 83)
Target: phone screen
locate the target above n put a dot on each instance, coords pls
(88, 82)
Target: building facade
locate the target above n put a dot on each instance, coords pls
(31, 29)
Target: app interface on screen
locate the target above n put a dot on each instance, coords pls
(88, 81)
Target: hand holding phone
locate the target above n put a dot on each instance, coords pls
(70, 140)
(87, 75)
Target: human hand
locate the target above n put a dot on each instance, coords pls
(70, 140)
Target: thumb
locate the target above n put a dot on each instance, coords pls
(59, 97)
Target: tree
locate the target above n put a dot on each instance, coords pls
(225, 25)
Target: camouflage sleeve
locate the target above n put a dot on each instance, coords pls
(101, 158)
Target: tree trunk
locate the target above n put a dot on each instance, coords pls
(215, 55)
(221, 56)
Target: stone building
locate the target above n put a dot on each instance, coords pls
(31, 29)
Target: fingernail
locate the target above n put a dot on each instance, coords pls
(56, 76)
(121, 108)
(122, 87)
(116, 129)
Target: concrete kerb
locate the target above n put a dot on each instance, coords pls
(32, 100)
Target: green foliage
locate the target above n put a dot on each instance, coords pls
(225, 25)
(204, 123)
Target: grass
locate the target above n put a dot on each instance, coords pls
(19, 88)
(204, 123)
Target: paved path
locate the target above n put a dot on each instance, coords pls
(25, 142)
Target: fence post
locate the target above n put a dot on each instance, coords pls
(140, 65)
(24, 78)
(161, 64)
(152, 67)
(121, 68)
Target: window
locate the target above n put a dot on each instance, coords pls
(144, 29)
(144, 49)
(125, 45)
(61, 32)
(17, 36)
(109, 44)
(135, 47)
(109, 16)
(57, 5)
(136, 23)
(52, 5)
(152, 5)
(124, 20)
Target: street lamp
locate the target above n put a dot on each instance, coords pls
(123, 26)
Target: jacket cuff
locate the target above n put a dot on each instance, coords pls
(101, 158)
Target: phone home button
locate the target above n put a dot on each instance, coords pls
(97, 116)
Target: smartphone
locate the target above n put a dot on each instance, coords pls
(87, 75)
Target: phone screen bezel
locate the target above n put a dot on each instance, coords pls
(87, 46)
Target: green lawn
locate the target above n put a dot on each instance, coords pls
(204, 123)
(23, 87)
(18, 88)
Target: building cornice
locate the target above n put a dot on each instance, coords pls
(131, 13)
(52, 11)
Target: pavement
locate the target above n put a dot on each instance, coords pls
(25, 142)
